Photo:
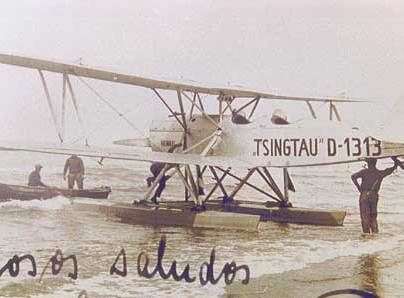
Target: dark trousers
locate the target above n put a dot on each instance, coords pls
(161, 186)
(368, 208)
(75, 178)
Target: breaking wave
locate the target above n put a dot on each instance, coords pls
(56, 203)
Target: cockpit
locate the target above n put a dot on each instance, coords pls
(278, 118)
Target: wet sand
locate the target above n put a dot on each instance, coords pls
(381, 274)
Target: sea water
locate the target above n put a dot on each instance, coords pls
(40, 228)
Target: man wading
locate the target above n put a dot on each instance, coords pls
(369, 192)
(74, 165)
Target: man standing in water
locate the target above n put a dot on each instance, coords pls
(74, 165)
(155, 169)
(369, 192)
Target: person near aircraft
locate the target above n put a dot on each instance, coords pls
(74, 169)
(279, 117)
(34, 178)
(155, 169)
(238, 118)
(371, 179)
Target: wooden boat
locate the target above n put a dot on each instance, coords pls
(19, 192)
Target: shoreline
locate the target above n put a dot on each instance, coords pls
(378, 273)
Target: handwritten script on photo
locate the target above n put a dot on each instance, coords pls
(145, 269)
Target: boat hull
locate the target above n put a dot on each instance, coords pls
(19, 192)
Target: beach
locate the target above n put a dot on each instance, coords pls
(379, 274)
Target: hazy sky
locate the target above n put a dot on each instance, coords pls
(321, 48)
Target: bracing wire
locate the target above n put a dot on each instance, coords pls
(104, 100)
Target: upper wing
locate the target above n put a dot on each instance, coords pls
(83, 71)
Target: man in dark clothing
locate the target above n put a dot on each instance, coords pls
(74, 166)
(34, 178)
(279, 117)
(369, 192)
(238, 118)
(155, 169)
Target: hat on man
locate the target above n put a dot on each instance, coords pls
(38, 166)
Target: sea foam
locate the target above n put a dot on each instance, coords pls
(56, 203)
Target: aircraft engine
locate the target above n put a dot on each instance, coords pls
(166, 133)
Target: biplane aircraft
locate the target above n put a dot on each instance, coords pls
(194, 141)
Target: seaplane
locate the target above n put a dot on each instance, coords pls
(195, 143)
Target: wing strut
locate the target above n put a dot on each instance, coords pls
(174, 114)
(184, 141)
(266, 176)
(76, 108)
(333, 110)
(242, 182)
(186, 184)
(254, 107)
(313, 114)
(201, 110)
(63, 106)
(286, 185)
(254, 100)
(49, 100)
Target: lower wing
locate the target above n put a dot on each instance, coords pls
(176, 158)
(163, 157)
